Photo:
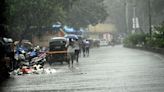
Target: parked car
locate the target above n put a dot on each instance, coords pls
(57, 50)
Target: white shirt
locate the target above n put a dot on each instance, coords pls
(76, 46)
(70, 49)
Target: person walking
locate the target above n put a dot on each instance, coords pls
(83, 47)
(77, 50)
(71, 52)
(87, 47)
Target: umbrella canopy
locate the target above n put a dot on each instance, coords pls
(71, 36)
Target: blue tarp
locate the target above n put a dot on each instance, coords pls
(69, 29)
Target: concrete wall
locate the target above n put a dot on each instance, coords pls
(44, 40)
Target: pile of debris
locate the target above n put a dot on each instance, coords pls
(36, 69)
(21, 57)
(29, 59)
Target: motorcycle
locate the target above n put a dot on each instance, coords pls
(20, 58)
(39, 60)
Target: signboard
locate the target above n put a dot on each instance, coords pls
(135, 23)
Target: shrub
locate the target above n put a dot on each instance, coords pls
(157, 38)
(136, 39)
(155, 42)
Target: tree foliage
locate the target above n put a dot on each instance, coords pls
(157, 39)
(145, 40)
(157, 6)
(24, 14)
(27, 14)
(137, 39)
(86, 12)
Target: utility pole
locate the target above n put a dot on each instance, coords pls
(127, 16)
(134, 18)
(150, 28)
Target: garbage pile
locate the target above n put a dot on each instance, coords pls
(36, 69)
(28, 59)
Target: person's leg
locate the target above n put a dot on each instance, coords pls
(83, 52)
(88, 51)
(77, 55)
(72, 58)
(80, 52)
(10, 62)
(69, 59)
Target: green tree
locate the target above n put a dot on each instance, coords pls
(86, 12)
(25, 14)
(157, 39)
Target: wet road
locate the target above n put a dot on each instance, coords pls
(107, 69)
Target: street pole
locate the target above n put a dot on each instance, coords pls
(127, 16)
(150, 29)
(134, 18)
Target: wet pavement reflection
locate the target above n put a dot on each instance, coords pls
(107, 69)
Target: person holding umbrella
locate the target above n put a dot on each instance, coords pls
(77, 50)
(71, 51)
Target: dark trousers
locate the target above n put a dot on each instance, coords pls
(87, 51)
(84, 50)
(77, 55)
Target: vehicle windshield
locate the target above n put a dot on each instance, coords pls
(58, 42)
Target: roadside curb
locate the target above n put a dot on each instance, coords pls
(155, 50)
